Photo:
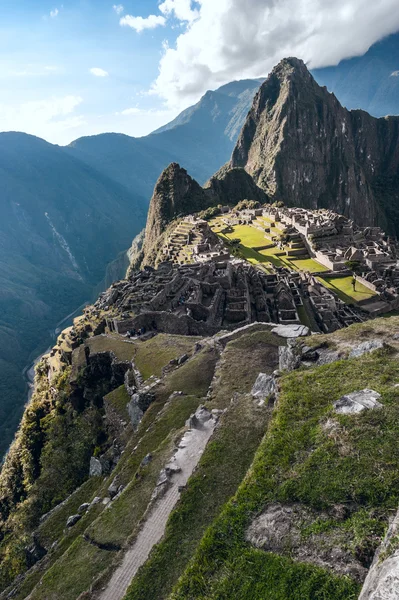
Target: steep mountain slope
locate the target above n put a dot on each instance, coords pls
(177, 194)
(201, 139)
(61, 223)
(369, 82)
(302, 147)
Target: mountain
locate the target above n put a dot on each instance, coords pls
(176, 193)
(201, 139)
(303, 148)
(369, 82)
(61, 224)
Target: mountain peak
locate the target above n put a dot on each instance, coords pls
(303, 147)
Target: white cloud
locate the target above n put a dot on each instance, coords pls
(51, 118)
(97, 72)
(118, 8)
(54, 13)
(232, 39)
(140, 23)
(394, 74)
(130, 111)
(181, 9)
(147, 112)
(34, 71)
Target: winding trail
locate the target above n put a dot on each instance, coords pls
(182, 466)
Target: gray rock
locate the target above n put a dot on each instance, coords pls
(356, 402)
(96, 468)
(264, 386)
(83, 507)
(106, 501)
(95, 501)
(366, 348)
(135, 413)
(289, 357)
(382, 581)
(72, 520)
(291, 331)
(278, 529)
(163, 478)
(197, 420)
(326, 356)
(182, 359)
(146, 460)
(113, 489)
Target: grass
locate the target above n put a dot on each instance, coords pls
(73, 573)
(222, 467)
(342, 286)
(251, 238)
(245, 357)
(118, 400)
(307, 264)
(154, 354)
(150, 356)
(53, 527)
(301, 461)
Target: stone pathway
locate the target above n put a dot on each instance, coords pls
(182, 466)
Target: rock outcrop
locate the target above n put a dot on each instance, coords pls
(302, 147)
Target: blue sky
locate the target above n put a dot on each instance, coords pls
(45, 64)
(78, 67)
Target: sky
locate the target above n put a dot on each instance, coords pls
(70, 68)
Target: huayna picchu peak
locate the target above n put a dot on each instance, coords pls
(302, 147)
(222, 423)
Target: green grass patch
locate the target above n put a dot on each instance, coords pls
(53, 527)
(243, 360)
(249, 236)
(118, 400)
(150, 356)
(73, 573)
(342, 286)
(221, 469)
(307, 264)
(302, 460)
(154, 354)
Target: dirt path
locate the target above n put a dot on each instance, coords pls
(182, 464)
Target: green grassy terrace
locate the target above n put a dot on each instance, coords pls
(312, 457)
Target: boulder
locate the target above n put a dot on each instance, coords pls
(366, 348)
(291, 331)
(96, 468)
(289, 357)
(83, 507)
(382, 581)
(72, 520)
(356, 402)
(113, 489)
(146, 460)
(264, 386)
(135, 413)
(197, 420)
(182, 359)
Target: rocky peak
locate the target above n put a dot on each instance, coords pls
(175, 193)
(302, 147)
